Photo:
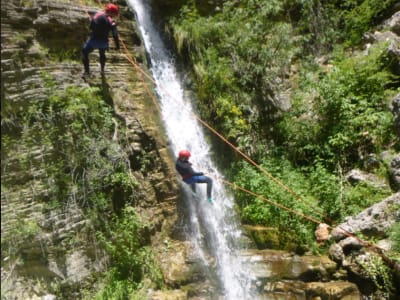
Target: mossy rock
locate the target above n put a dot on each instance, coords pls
(263, 237)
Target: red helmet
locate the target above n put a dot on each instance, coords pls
(112, 9)
(184, 154)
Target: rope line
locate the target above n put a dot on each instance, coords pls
(263, 170)
(264, 199)
(130, 59)
(392, 263)
(235, 186)
(377, 249)
(220, 136)
(246, 157)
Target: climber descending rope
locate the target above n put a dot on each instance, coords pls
(191, 177)
(101, 24)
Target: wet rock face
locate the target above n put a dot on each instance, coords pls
(396, 113)
(395, 172)
(281, 275)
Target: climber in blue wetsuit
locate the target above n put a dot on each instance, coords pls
(101, 24)
(191, 177)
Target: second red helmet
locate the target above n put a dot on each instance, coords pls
(184, 154)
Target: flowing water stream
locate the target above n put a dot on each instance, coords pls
(214, 228)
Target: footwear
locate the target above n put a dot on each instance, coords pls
(210, 200)
(85, 75)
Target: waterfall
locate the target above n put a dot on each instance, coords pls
(214, 228)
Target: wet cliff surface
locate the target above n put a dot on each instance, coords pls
(47, 243)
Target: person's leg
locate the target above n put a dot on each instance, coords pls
(192, 183)
(208, 181)
(102, 53)
(85, 56)
(193, 186)
(209, 187)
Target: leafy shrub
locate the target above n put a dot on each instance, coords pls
(114, 290)
(375, 268)
(258, 211)
(353, 108)
(237, 55)
(131, 259)
(360, 15)
(361, 196)
(342, 117)
(325, 187)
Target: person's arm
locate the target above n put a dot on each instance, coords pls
(193, 172)
(114, 32)
(185, 168)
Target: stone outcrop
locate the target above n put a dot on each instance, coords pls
(281, 275)
(372, 222)
(396, 113)
(355, 254)
(395, 172)
(356, 176)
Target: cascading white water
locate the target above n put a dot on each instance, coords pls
(214, 225)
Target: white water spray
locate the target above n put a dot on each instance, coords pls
(214, 225)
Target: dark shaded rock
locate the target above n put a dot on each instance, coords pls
(395, 172)
(396, 113)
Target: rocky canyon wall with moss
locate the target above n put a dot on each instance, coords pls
(74, 153)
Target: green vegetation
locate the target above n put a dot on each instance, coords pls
(380, 273)
(131, 260)
(395, 237)
(65, 138)
(261, 211)
(358, 16)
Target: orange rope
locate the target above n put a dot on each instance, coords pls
(393, 264)
(390, 262)
(246, 157)
(131, 60)
(270, 201)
